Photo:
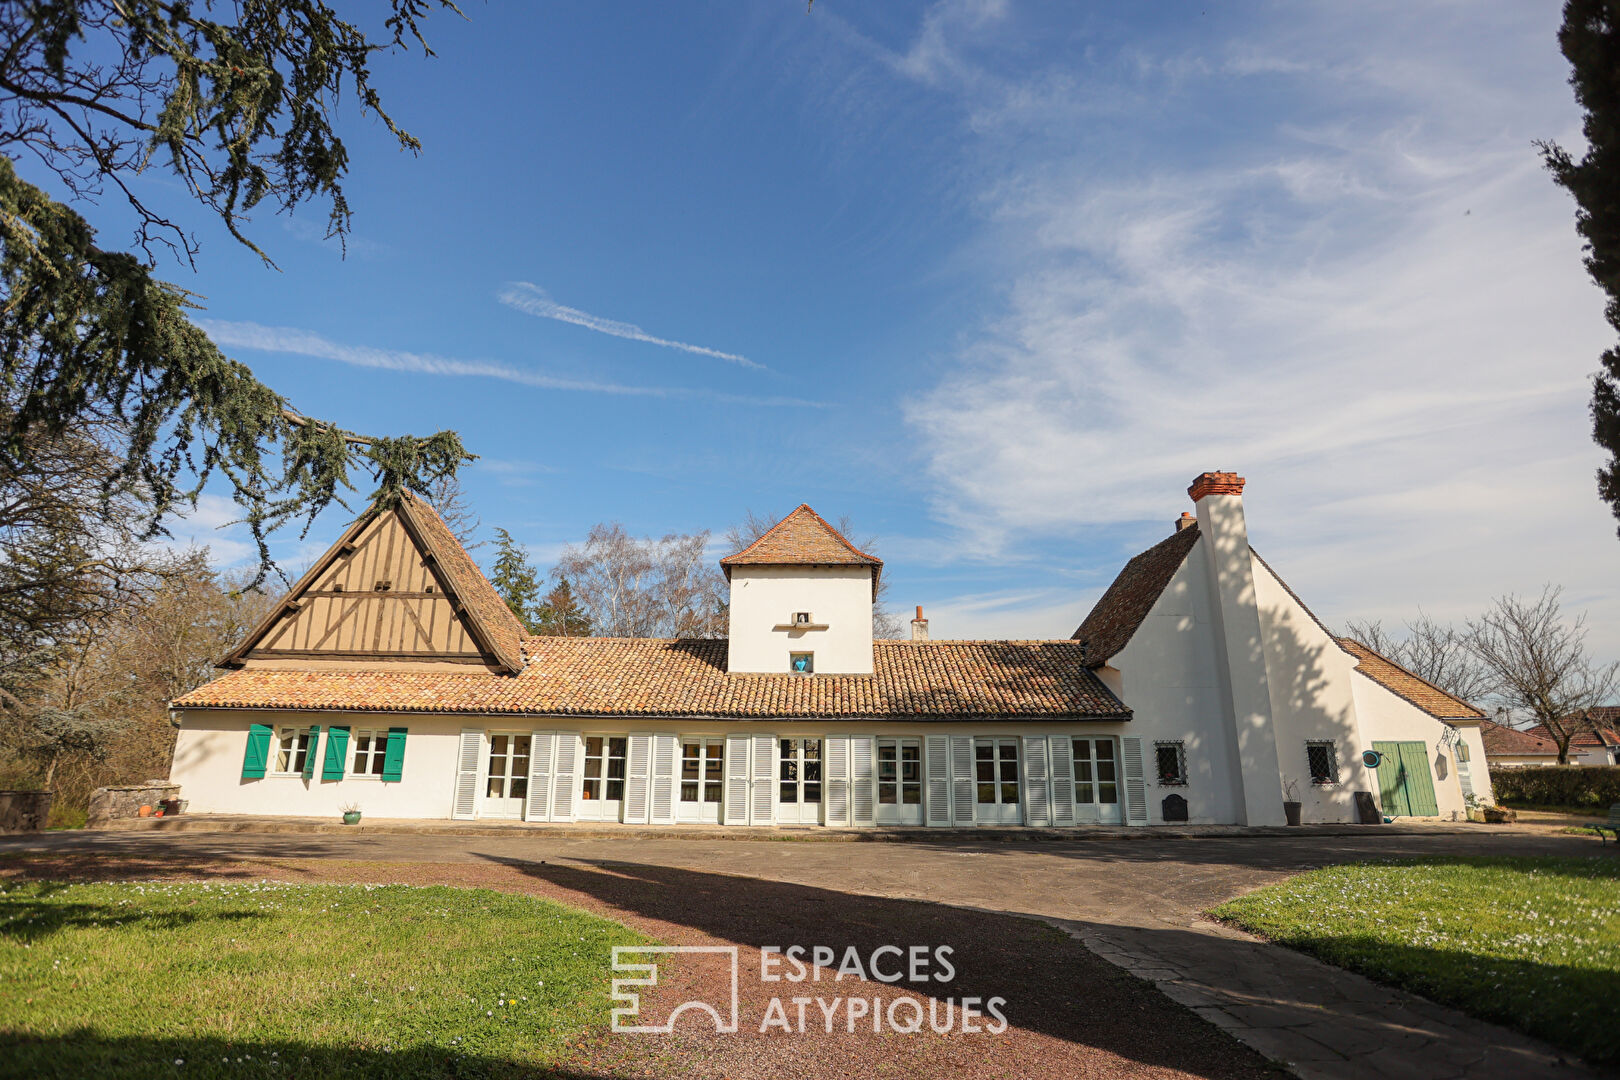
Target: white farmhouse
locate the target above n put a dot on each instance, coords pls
(1199, 689)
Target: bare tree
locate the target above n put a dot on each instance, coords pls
(1435, 652)
(1538, 661)
(449, 498)
(885, 623)
(645, 587)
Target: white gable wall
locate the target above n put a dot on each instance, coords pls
(1312, 700)
(763, 600)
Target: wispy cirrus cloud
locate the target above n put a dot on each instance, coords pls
(531, 299)
(286, 339)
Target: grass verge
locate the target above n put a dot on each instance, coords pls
(161, 979)
(1533, 943)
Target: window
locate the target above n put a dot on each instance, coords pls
(996, 770)
(292, 750)
(370, 751)
(508, 767)
(1323, 761)
(604, 767)
(800, 771)
(1096, 778)
(700, 770)
(899, 772)
(801, 618)
(1172, 762)
(802, 663)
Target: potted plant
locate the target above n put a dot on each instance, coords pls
(1291, 803)
(351, 814)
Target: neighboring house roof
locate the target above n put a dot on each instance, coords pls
(803, 538)
(641, 677)
(1115, 617)
(1396, 679)
(1502, 741)
(1603, 736)
(497, 631)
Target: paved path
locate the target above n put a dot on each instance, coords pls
(1135, 903)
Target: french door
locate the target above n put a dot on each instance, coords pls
(506, 783)
(995, 765)
(798, 795)
(702, 762)
(1096, 782)
(601, 796)
(899, 782)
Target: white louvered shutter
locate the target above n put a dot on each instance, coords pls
(762, 781)
(1037, 782)
(565, 776)
(738, 771)
(638, 778)
(665, 755)
(962, 780)
(863, 780)
(538, 805)
(1136, 812)
(837, 764)
(1062, 779)
(937, 750)
(466, 802)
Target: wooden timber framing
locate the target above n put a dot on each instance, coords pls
(395, 586)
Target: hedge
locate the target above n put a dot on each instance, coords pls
(1558, 785)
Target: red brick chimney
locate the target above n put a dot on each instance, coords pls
(1185, 521)
(1216, 483)
(919, 626)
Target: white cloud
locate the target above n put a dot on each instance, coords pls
(283, 339)
(1372, 306)
(215, 524)
(531, 299)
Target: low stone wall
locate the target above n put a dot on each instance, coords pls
(111, 803)
(24, 811)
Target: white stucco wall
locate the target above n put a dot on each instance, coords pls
(1385, 715)
(1312, 700)
(764, 598)
(1479, 769)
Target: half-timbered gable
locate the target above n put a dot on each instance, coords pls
(395, 587)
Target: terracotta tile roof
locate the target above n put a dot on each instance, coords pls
(1114, 619)
(803, 538)
(1390, 675)
(1603, 736)
(488, 613)
(643, 677)
(1501, 741)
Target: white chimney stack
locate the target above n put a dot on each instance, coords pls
(919, 626)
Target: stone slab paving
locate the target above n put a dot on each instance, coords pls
(1136, 904)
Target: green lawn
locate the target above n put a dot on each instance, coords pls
(271, 979)
(1533, 943)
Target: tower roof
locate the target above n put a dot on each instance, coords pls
(803, 538)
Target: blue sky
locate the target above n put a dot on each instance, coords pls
(995, 279)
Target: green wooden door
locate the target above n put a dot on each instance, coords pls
(1404, 781)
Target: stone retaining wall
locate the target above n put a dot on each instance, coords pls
(111, 803)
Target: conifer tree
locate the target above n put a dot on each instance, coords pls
(515, 579)
(1590, 40)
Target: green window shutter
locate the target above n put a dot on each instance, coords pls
(337, 747)
(258, 752)
(394, 758)
(1391, 790)
(314, 748)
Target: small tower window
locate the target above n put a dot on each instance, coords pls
(801, 618)
(802, 663)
